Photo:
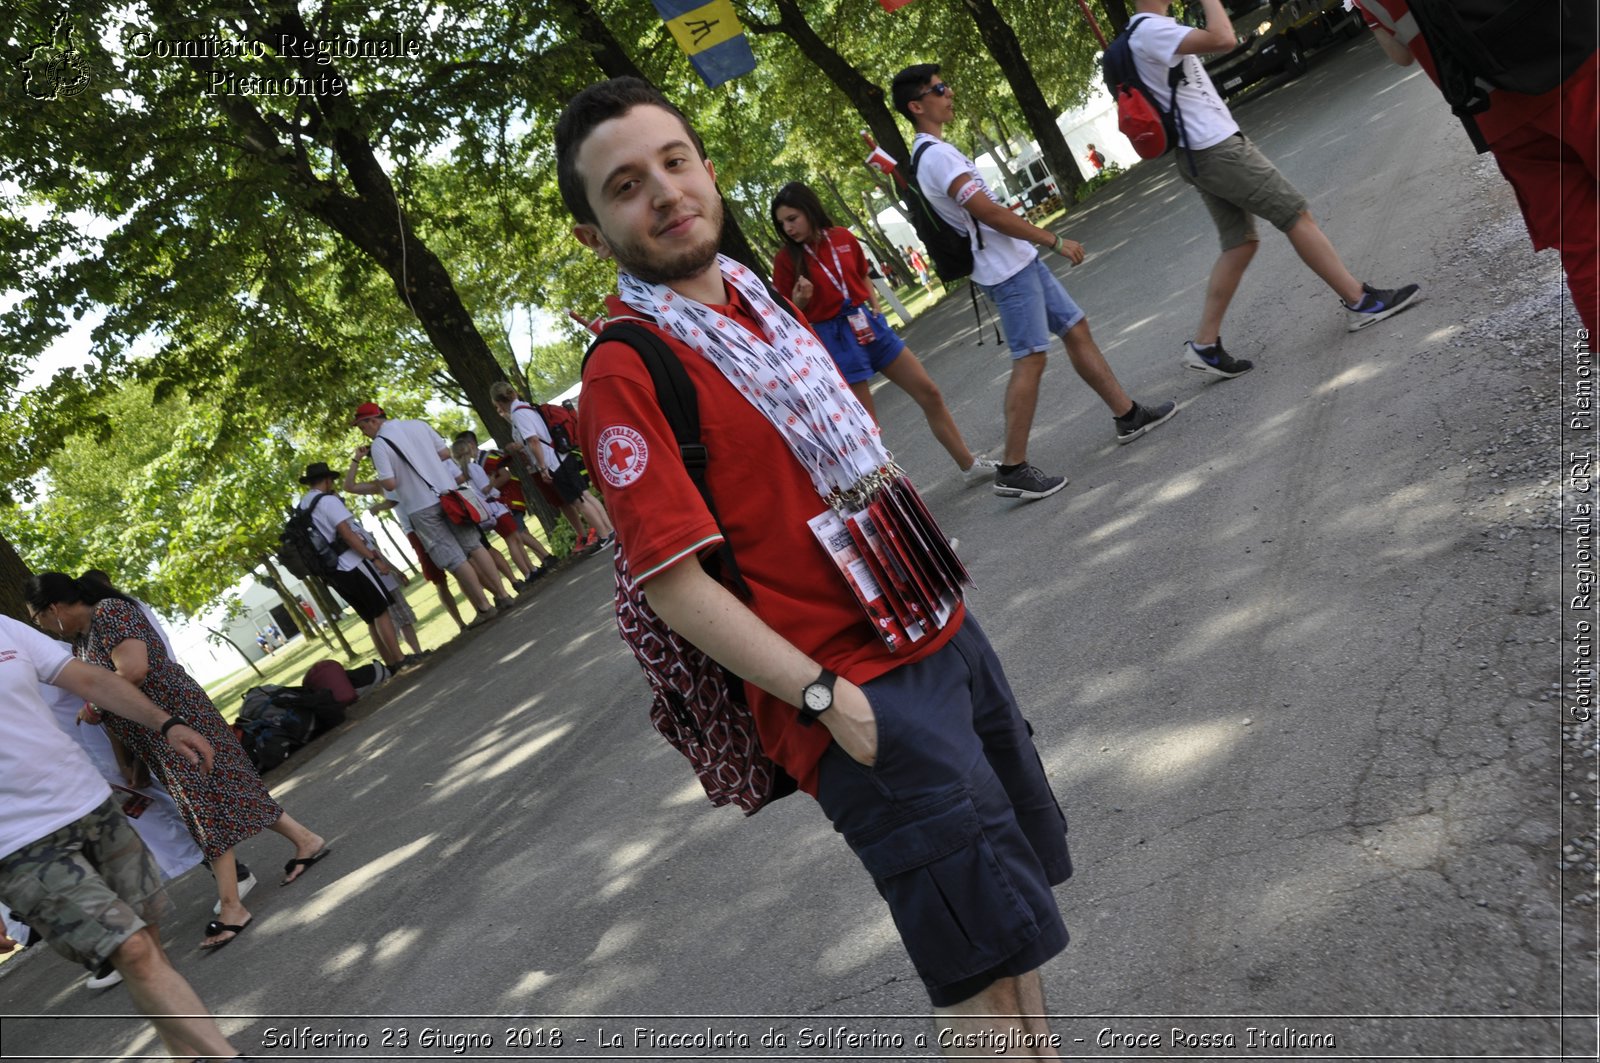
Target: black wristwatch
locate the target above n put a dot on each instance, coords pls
(817, 697)
(171, 722)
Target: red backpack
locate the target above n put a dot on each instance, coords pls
(1151, 129)
(563, 425)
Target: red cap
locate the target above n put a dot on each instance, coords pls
(368, 409)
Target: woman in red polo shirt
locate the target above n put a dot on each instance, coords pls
(823, 269)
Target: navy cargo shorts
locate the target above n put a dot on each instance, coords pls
(955, 822)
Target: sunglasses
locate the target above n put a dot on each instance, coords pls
(941, 89)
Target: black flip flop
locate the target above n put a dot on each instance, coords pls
(215, 927)
(305, 862)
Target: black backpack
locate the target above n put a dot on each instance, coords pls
(298, 711)
(949, 247)
(303, 550)
(1523, 46)
(697, 705)
(1135, 100)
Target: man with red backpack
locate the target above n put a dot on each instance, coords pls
(1234, 179)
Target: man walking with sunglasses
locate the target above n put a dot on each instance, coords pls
(1006, 266)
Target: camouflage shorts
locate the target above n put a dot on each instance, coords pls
(86, 888)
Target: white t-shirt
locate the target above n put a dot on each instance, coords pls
(480, 480)
(422, 447)
(527, 426)
(327, 517)
(1206, 119)
(46, 780)
(1001, 256)
(399, 514)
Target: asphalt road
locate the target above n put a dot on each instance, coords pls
(1289, 659)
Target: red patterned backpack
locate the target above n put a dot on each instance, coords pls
(698, 706)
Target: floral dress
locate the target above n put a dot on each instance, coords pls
(220, 809)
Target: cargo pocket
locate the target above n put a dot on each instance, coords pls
(952, 901)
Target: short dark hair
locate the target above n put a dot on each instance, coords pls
(588, 109)
(468, 434)
(801, 197)
(910, 84)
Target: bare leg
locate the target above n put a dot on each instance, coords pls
(574, 516)
(862, 389)
(306, 842)
(519, 556)
(594, 514)
(467, 576)
(908, 374)
(385, 639)
(500, 564)
(408, 632)
(448, 600)
(234, 913)
(1008, 1006)
(527, 539)
(1022, 395)
(483, 564)
(1316, 251)
(1225, 276)
(181, 1020)
(1091, 366)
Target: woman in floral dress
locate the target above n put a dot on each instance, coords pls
(221, 809)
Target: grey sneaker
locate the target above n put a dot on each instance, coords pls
(1027, 483)
(1141, 419)
(483, 617)
(981, 471)
(1379, 303)
(1215, 362)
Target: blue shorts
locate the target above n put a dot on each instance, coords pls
(857, 363)
(1033, 307)
(955, 822)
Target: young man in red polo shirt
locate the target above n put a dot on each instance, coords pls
(920, 758)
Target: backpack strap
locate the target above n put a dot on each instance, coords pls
(1175, 77)
(977, 227)
(680, 404)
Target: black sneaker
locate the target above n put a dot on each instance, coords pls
(1027, 483)
(1139, 420)
(1379, 303)
(1215, 362)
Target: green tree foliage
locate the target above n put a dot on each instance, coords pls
(256, 264)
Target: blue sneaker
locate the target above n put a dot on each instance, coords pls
(1215, 361)
(1379, 303)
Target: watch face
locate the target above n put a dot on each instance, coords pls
(818, 697)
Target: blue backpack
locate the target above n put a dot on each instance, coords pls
(1153, 129)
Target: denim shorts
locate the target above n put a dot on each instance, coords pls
(1033, 307)
(857, 363)
(955, 822)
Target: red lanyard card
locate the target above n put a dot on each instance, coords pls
(894, 582)
(942, 550)
(910, 556)
(835, 537)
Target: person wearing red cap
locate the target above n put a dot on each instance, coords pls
(411, 460)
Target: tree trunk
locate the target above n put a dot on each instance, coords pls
(899, 262)
(1001, 159)
(1117, 14)
(324, 599)
(14, 575)
(1002, 43)
(403, 552)
(219, 635)
(307, 627)
(615, 62)
(861, 227)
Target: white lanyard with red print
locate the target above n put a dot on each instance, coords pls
(876, 530)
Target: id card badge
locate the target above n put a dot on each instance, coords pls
(863, 327)
(834, 535)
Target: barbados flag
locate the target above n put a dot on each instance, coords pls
(711, 36)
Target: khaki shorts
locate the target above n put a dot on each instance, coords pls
(86, 888)
(1236, 181)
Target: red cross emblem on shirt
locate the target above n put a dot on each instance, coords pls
(623, 453)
